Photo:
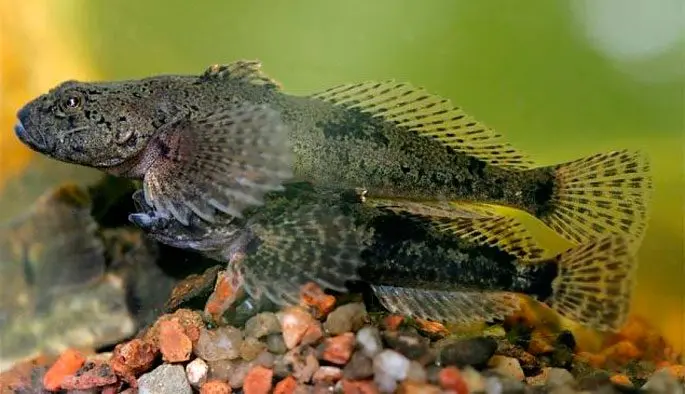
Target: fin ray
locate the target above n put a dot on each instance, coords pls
(249, 71)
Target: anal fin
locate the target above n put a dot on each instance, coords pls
(462, 307)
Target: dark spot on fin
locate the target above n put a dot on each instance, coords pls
(249, 71)
(462, 307)
(595, 283)
(225, 161)
(313, 243)
(607, 193)
(430, 116)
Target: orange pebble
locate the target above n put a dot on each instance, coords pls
(392, 322)
(678, 371)
(258, 381)
(622, 380)
(311, 295)
(432, 327)
(215, 387)
(67, 364)
(286, 386)
(451, 379)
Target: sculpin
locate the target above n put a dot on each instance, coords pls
(412, 267)
(221, 140)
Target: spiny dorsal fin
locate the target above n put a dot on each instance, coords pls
(475, 223)
(430, 116)
(246, 70)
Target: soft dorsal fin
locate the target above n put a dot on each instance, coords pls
(246, 70)
(430, 116)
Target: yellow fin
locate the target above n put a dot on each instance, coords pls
(247, 70)
(461, 307)
(595, 283)
(476, 223)
(607, 193)
(430, 116)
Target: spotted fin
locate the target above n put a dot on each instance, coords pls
(606, 193)
(595, 283)
(226, 161)
(473, 222)
(311, 244)
(461, 307)
(430, 116)
(249, 71)
(59, 240)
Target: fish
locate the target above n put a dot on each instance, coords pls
(216, 142)
(413, 268)
(56, 292)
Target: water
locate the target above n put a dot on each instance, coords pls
(560, 80)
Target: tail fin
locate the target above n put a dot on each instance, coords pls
(607, 193)
(595, 282)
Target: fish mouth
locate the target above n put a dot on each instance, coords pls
(25, 137)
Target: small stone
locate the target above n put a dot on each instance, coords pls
(621, 380)
(346, 318)
(558, 377)
(196, 372)
(262, 324)
(539, 343)
(327, 374)
(433, 374)
(239, 373)
(265, 359)
(663, 381)
(173, 342)
(67, 364)
(416, 372)
(133, 357)
(215, 387)
(359, 367)
(369, 340)
(385, 382)
(392, 322)
(313, 296)
(221, 369)
(391, 363)
(303, 363)
(286, 386)
(410, 387)
(165, 379)
(451, 379)
(276, 344)
(594, 380)
(258, 381)
(410, 345)
(507, 366)
(219, 344)
(474, 380)
(294, 322)
(313, 334)
(338, 349)
(250, 348)
(91, 375)
(504, 384)
(359, 387)
(473, 351)
(190, 320)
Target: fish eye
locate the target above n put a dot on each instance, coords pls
(71, 102)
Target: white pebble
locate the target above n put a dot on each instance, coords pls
(385, 382)
(391, 363)
(370, 341)
(197, 371)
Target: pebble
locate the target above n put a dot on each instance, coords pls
(286, 386)
(473, 351)
(221, 369)
(346, 318)
(196, 372)
(276, 344)
(369, 340)
(91, 375)
(239, 373)
(313, 334)
(410, 387)
(409, 344)
(507, 366)
(258, 380)
(391, 363)
(359, 387)
(474, 380)
(416, 372)
(303, 363)
(558, 377)
(219, 344)
(250, 348)
(133, 357)
(165, 379)
(327, 374)
(262, 324)
(451, 378)
(265, 359)
(215, 387)
(338, 349)
(663, 381)
(67, 364)
(359, 367)
(173, 342)
(295, 322)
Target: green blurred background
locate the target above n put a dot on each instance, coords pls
(560, 79)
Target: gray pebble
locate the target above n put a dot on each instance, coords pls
(369, 340)
(276, 344)
(165, 379)
(473, 351)
(219, 344)
(262, 325)
(346, 318)
(359, 367)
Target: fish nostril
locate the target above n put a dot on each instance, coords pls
(23, 115)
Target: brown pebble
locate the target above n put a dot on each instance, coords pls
(312, 296)
(258, 380)
(313, 334)
(286, 386)
(338, 349)
(91, 375)
(326, 374)
(215, 387)
(359, 387)
(135, 356)
(295, 322)
(173, 342)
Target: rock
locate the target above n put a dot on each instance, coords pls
(295, 322)
(359, 387)
(411, 387)
(239, 373)
(262, 324)
(173, 342)
(219, 344)
(302, 363)
(165, 379)
(473, 351)
(221, 369)
(250, 348)
(346, 318)
(410, 345)
(433, 374)
(313, 334)
(258, 380)
(276, 344)
(450, 378)
(326, 374)
(558, 377)
(385, 382)
(286, 386)
(196, 372)
(265, 359)
(90, 376)
(338, 349)
(67, 364)
(191, 321)
(391, 363)
(507, 366)
(662, 382)
(504, 385)
(392, 322)
(359, 367)
(416, 372)
(474, 380)
(369, 340)
(133, 357)
(594, 380)
(313, 296)
(215, 387)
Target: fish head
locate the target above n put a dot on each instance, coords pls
(97, 124)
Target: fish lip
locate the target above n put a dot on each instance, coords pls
(24, 136)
